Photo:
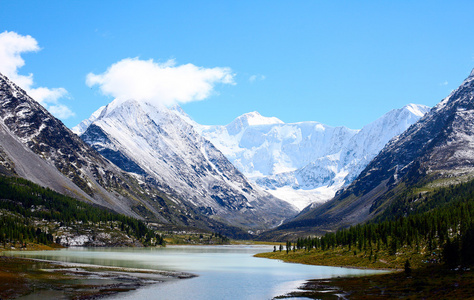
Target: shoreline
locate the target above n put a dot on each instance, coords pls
(424, 282)
(432, 282)
(262, 255)
(162, 274)
(320, 260)
(21, 277)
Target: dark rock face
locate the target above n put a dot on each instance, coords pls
(441, 141)
(47, 137)
(440, 145)
(95, 133)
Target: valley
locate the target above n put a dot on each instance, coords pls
(143, 175)
(236, 150)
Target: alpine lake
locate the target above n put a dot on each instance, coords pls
(189, 272)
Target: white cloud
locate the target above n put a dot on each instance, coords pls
(12, 45)
(60, 111)
(47, 95)
(254, 78)
(444, 83)
(50, 99)
(159, 83)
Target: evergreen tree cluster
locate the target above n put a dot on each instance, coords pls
(443, 219)
(413, 202)
(22, 201)
(15, 229)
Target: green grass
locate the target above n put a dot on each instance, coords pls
(343, 257)
(426, 281)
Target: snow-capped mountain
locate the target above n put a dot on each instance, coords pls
(436, 151)
(38, 147)
(304, 162)
(158, 143)
(81, 127)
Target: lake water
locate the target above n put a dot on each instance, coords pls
(224, 272)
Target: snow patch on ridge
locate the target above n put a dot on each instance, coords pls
(82, 127)
(417, 110)
(302, 198)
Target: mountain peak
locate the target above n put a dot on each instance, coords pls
(417, 109)
(82, 127)
(472, 73)
(254, 118)
(250, 119)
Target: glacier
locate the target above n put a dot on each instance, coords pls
(306, 162)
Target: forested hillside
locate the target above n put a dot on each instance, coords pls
(33, 214)
(429, 227)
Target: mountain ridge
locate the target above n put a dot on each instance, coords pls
(305, 162)
(435, 151)
(38, 147)
(155, 142)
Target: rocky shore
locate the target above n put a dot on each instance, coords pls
(20, 277)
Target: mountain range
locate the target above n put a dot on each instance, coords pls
(36, 146)
(436, 151)
(156, 164)
(301, 163)
(306, 162)
(156, 143)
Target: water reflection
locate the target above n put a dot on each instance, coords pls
(225, 272)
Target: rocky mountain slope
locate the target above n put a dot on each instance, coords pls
(155, 142)
(436, 151)
(305, 162)
(36, 146)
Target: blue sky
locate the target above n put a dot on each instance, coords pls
(336, 62)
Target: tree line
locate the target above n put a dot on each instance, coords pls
(443, 219)
(22, 201)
